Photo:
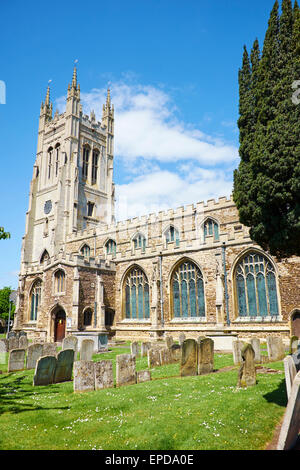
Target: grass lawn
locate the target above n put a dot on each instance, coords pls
(168, 413)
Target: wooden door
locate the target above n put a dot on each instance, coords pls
(296, 324)
(60, 326)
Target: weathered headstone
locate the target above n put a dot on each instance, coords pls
(189, 358)
(290, 428)
(11, 334)
(70, 342)
(143, 376)
(23, 342)
(294, 344)
(237, 347)
(104, 377)
(134, 348)
(175, 351)
(181, 338)
(34, 352)
(169, 341)
(125, 370)
(247, 372)
(145, 348)
(22, 333)
(49, 349)
(13, 342)
(153, 357)
(289, 372)
(205, 356)
(64, 366)
(4, 348)
(44, 370)
(165, 356)
(275, 348)
(255, 343)
(16, 360)
(86, 350)
(84, 376)
(103, 342)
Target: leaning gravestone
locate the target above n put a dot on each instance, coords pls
(64, 366)
(104, 377)
(145, 348)
(86, 350)
(16, 360)
(153, 358)
(165, 356)
(275, 348)
(205, 356)
(290, 428)
(44, 370)
(84, 376)
(255, 343)
(181, 338)
(34, 352)
(134, 348)
(143, 376)
(247, 372)
(237, 347)
(189, 358)
(290, 373)
(125, 370)
(70, 342)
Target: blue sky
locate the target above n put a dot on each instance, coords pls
(172, 69)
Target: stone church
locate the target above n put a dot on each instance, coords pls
(193, 269)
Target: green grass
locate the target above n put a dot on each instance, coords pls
(170, 412)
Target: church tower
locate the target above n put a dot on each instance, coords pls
(72, 185)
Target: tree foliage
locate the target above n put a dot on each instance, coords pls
(4, 303)
(4, 234)
(267, 181)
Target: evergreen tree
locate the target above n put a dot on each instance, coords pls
(266, 184)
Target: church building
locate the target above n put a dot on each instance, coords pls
(192, 269)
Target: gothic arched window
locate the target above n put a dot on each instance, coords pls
(45, 256)
(85, 250)
(172, 235)
(57, 149)
(85, 161)
(95, 161)
(87, 317)
(50, 162)
(35, 299)
(187, 289)
(255, 283)
(111, 247)
(211, 228)
(139, 241)
(59, 278)
(136, 295)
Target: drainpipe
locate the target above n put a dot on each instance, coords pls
(225, 284)
(161, 291)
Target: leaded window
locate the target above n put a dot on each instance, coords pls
(50, 152)
(35, 300)
(85, 251)
(60, 281)
(172, 235)
(111, 247)
(136, 289)
(95, 166)
(85, 164)
(188, 291)
(139, 241)
(211, 228)
(256, 286)
(87, 317)
(57, 148)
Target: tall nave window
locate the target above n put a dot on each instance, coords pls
(187, 288)
(35, 299)
(136, 293)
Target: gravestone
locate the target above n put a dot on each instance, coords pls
(169, 341)
(64, 366)
(23, 342)
(175, 352)
(22, 333)
(165, 356)
(134, 348)
(255, 343)
(49, 349)
(189, 358)
(34, 352)
(296, 359)
(44, 370)
(125, 370)
(153, 357)
(84, 376)
(205, 356)
(247, 372)
(70, 342)
(181, 338)
(290, 373)
(11, 334)
(16, 360)
(104, 377)
(145, 348)
(13, 342)
(290, 428)
(294, 344)
(143, 376)
(275, 348)
(4, 348)
(237, 347)
(86, 350)
(102, 342)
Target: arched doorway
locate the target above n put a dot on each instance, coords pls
(59, 325)
(295, 323)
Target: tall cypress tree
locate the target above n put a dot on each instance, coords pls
(266, 187)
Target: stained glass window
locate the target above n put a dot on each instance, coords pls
(35, 300)
(85, 163)
(95, 166)
(256, 286)
(139, 241)
(111, 247)
(211, 228)
(59, 281)
(136, 289)
(188, 291)
(85, 251)
(172, 235)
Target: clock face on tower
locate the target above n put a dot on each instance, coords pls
(47, 207)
